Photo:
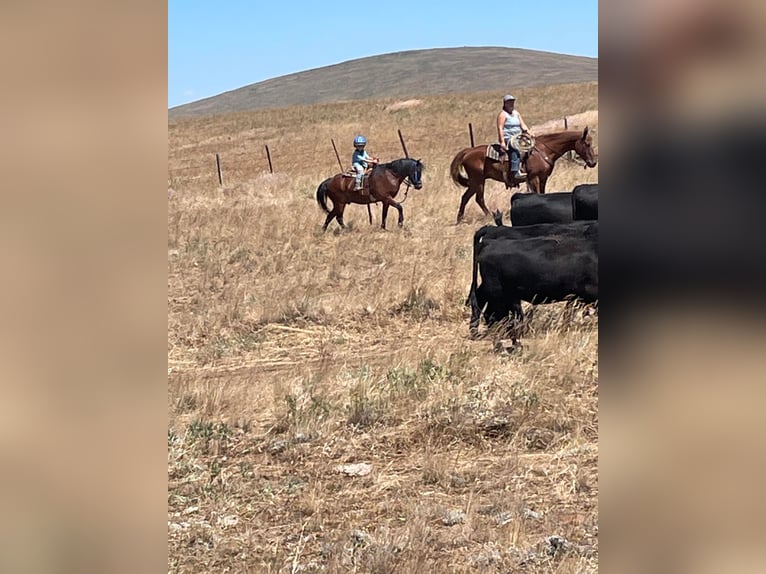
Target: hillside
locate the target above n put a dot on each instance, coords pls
(403, 74)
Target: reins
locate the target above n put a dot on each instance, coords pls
(407, 189)
(550, 149)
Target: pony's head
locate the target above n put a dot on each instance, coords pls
(584, 148)
(406, 167)
(416, 174)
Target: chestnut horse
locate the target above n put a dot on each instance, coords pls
(539, 164)
(381, 185)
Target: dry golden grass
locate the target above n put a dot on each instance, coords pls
(291, 352)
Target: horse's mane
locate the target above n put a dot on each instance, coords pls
(401, 166)
(560, 134)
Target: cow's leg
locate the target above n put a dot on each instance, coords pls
(498, 304)
(497, 319)
(478, 301)
(517, 317)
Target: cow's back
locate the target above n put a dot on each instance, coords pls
(534, 208)
(537, 269)
(585, 202)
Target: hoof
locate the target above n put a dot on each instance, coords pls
(507, 346)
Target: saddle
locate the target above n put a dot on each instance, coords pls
(351, 173)
(496, 153)
(365, 187)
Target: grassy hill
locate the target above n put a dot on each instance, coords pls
(403, 74)
(293, 352)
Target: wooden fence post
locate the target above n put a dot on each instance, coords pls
(218, 165)
(404, 147)
(268, 156)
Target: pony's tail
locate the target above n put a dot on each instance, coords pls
(322, 195)
(454, 168)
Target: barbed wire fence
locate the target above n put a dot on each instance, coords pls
(221, 168)
(217, 169)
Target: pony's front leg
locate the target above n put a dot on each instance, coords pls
(387, 202)
(383, 216)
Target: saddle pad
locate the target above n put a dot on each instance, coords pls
(352, 173)
(495, 152)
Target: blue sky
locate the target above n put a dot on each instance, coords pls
(214, 47)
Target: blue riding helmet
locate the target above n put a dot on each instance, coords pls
(360, 140)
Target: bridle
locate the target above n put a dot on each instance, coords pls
(545, 157)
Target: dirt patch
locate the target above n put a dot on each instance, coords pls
(403, 105)
(575, 121)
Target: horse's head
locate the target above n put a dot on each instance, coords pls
(416, 173)
(584, 148)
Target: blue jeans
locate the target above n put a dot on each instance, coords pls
(514, 155)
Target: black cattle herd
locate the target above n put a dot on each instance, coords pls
(549, 254)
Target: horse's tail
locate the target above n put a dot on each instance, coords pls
(454, 168)
(322, 195)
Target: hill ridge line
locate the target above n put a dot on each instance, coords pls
(406, 74)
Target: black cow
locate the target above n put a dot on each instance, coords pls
(534, 208)
(559, 266)
(585, 202)
(485, 235)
